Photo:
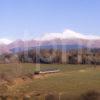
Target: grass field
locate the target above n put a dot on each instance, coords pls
(71, 80)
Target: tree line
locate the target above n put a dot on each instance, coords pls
(73, 56)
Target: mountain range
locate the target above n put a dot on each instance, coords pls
(66, 40)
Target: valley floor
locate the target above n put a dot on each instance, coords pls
(70, 80)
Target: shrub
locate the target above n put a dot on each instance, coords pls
(90, 95)
(26, 97)
(36, 72)
(51, 97)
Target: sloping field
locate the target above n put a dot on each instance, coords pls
(71, 80)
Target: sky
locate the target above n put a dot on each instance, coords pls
(30, 19)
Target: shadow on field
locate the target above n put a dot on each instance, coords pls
(89, 95)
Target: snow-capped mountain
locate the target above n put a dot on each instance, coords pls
(67, 34)
(3, 46)
(68, 38)
(5, 41)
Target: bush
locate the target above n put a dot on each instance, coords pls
(51, 97)
(3, 97)
(36, 72)
(26, 97)
(90, 95)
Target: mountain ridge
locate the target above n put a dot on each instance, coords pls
(67, 37)
(24, 45)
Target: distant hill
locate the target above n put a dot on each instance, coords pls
(62, 44)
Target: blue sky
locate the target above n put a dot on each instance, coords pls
(32, 18)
